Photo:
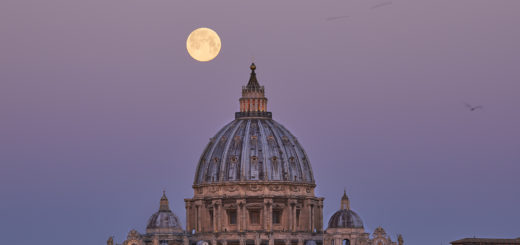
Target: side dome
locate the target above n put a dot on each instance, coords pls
(164, 220)
(253, 147)
(345, 217)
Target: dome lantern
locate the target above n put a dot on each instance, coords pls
(164, 204)
(253, 102)
(345, 203)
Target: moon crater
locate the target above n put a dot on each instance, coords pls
(203, 44)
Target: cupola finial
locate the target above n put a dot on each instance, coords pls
(253, 102)
(164, 204)
(345, 202)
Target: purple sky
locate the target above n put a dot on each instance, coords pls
(101, 108)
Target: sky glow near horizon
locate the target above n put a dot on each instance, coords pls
(102, 108)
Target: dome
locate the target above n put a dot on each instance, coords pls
(253, 147)
(163, 220)
(345, 219)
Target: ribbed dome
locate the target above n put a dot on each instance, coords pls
(345, 218)
(253, 149)
(163, 220)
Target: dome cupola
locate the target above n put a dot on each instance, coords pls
(345, 217)
(253, 102)
(253, 147)
(164, 220)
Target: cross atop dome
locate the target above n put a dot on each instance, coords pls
(253, 82)
(164, 204)
(253, 102)
(345, 203)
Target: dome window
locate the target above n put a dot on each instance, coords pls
(234, 159)
(285, 139)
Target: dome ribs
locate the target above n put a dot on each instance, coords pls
(254, 149)
(225, 160)
(263, 142)
(245, 144)
(206, 160)
(255, 162)
(282, 152)
(305, 166)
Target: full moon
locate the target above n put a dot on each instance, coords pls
(203, 44)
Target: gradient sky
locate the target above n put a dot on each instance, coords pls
(101, 108)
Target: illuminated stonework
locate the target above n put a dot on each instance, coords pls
(254, 185)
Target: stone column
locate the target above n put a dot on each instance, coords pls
(240, 215)
(244, 216)
(292, 215)
(289, 213)
(268, 207)
(188, 215)
(197, 218)
(219, 216)
(312, 218)
(215, 219)
(204, 218)
(270, 215)
(321, 216)
(308, 217)
(265, 216)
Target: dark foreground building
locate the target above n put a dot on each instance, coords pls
(254, 185)
(486, 241)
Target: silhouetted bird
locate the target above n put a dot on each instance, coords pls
(381, 5)
(337, 17)
(472, 108)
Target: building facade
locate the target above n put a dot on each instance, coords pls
(254, 185)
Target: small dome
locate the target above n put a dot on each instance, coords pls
(164, 220)
(345, 218)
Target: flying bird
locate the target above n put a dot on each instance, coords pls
(473, 108)
(381, 5)
(336, 17)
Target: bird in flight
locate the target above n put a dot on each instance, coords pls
(473, 108)
(381, 5)
(337, 17)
